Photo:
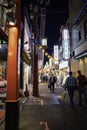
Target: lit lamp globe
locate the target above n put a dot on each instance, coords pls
(44, 43)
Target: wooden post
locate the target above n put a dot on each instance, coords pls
(35, 73)
(12, 103)
(12, 98)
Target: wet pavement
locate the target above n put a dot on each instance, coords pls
(49, 112)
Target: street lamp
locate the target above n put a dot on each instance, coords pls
(44, 43)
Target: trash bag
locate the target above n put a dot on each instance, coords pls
(63, 95)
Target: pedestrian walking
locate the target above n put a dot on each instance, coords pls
(52, 82)
(81, 81)
(70, 85)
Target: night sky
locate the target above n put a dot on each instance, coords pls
(56, 15)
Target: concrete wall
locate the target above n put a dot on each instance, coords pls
(78, 46)
(80, 64)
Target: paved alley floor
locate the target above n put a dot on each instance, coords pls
(49, 112)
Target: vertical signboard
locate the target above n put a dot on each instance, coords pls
(56, 54)
(40, 58)
(66, 44)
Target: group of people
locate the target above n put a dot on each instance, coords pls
(72, 83)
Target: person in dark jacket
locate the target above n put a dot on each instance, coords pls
(81, 80)
(52, 82)
(71, 84)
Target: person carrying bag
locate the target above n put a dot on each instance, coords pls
(82, 82)
(52, 82)
(70, 85)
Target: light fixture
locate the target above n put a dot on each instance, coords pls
(48, 56)
(11, 23)
(46, 53)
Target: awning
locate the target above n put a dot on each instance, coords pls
(25, 58)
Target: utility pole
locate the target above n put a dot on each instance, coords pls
(39, 11)
(35, 51)
(35, 73)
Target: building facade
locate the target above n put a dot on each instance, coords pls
(78, 30)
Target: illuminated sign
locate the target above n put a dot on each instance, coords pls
(66, 44)
(56, 54)
(63, 64)
(50, 62)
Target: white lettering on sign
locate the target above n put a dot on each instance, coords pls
(56, 53)
(66, 44)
